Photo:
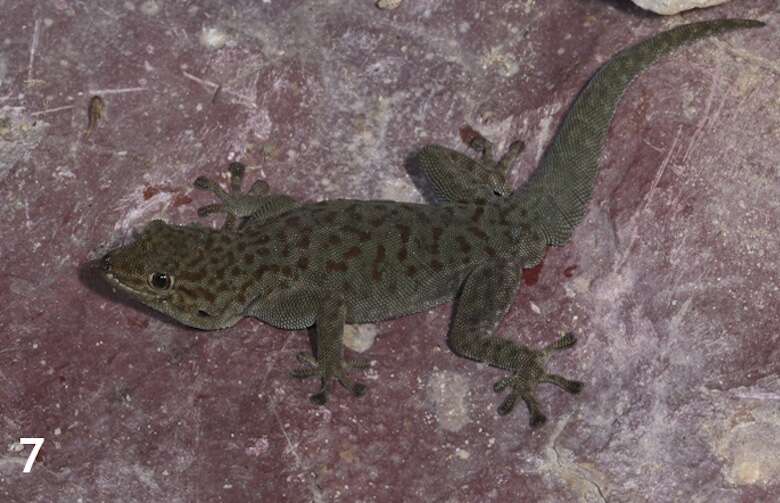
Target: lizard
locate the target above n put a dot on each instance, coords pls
(296, 265)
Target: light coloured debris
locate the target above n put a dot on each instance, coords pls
(669, 7)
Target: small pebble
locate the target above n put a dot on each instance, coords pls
(388, 4)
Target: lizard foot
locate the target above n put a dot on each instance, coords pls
(484, 148)
(257, 201)
(523, 382)
(234, 204)
(312, 368)
(497, 170)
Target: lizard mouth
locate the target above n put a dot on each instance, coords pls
(113, 280)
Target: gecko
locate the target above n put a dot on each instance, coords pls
(297, 265)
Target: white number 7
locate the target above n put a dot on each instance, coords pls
(37, 442)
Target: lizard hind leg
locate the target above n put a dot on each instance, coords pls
(457, 177)
(486, 296)
(498, 170)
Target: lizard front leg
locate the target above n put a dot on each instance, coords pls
(330, 364)
(486, 296)
(257, 203)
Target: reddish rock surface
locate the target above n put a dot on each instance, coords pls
(671, 282)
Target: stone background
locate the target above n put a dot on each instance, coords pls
(671, 283)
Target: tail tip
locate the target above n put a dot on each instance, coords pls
(746, 23)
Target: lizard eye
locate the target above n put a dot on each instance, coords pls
(161, 280)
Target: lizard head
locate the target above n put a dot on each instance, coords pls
(168, 269)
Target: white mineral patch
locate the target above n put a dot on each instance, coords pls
(359, 338)
(388, 4)
(213, 38)
(669, 7)
(150, 8)
(447, 392)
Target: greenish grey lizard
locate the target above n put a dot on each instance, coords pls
(296, 265)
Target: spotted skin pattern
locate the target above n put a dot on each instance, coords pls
(296, 265)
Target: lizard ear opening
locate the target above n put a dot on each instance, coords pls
(203, 314)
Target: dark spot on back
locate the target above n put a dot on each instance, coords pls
(360, 234)
(436, 234)
(259, 240)
(477, 232)
(333, 266)
(405, 232)
(352, 252)
(422, 217)
(380, 254)
(354, 213)
(463, 244)
(379, 258)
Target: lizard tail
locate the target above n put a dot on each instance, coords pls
(556, 194)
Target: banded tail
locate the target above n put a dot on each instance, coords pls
(556, 194)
